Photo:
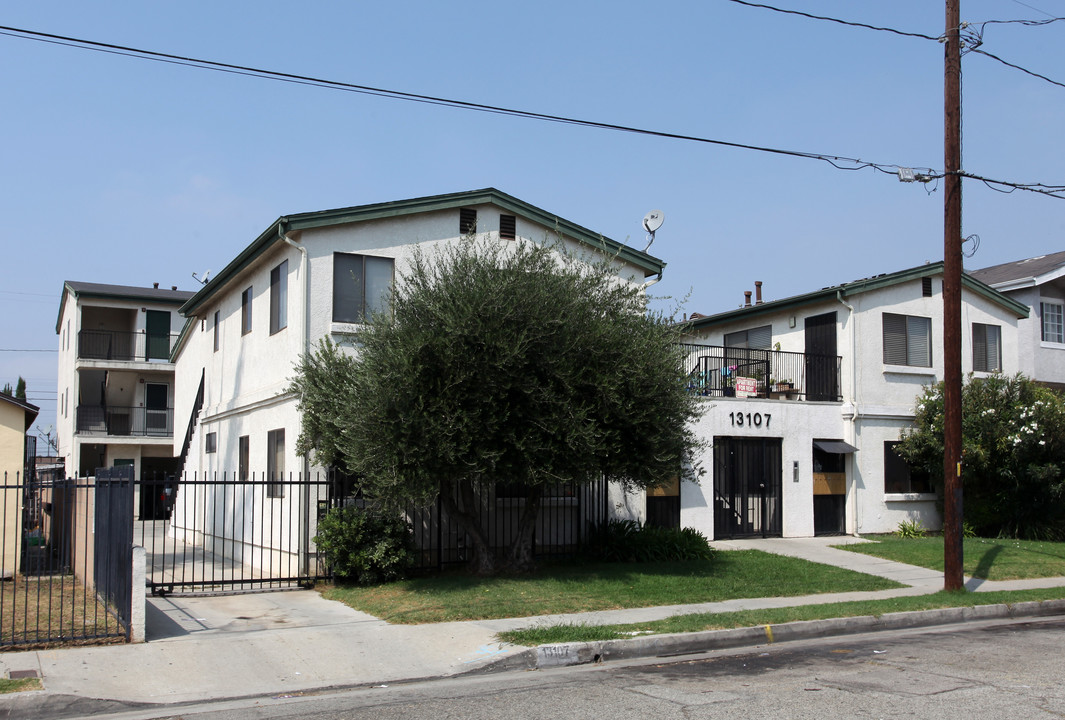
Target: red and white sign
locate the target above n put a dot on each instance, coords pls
(746, 387)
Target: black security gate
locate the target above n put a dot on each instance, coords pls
(113, 547)
(747, 487)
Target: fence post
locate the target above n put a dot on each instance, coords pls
(137, 608)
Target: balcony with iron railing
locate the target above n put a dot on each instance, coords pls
(125, 421)
(125, 346)
(716, 371)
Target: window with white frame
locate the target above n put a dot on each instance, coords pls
(1052, 315)
(759, 338)
(907, 340)
(245, 312)
(279, 297)
(987, 348)
(361, 286)
(275, 463)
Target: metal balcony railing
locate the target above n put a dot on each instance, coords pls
(717, 371)
(125, 421)
(127, 346)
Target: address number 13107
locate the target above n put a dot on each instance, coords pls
(749, 419)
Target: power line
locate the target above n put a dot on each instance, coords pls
(972, 40)
(920, 36)
(839, 162)
(836, 160)
(26, 351)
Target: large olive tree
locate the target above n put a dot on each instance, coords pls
(501, 362)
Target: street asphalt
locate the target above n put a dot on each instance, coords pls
(271, 644)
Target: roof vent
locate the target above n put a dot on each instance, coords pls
(173, 287)
(757, 292)
(746, 298)
(155, 285)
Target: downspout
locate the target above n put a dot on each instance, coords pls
(852, 434)
(657, 279)
(305, 332)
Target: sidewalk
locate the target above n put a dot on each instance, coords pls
(202, 648)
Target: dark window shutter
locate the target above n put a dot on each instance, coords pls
(467, 221)
(926, 286)
(508, 227)
(918, 341)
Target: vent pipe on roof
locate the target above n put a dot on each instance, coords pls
(757, 292)
(155, 285)
(746, 298)
(173, 287)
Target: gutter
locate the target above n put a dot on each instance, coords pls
(305, 332)
(855, 413)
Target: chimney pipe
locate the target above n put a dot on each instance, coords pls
(757, 292)
(746, 298)
(155, 285)
(173, 287)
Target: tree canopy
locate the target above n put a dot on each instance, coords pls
(501, 362)
(1013, 454)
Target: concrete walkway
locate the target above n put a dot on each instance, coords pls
(202, 648)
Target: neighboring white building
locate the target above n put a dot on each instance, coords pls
(1039, 283)
(115, 401)
(831, 378)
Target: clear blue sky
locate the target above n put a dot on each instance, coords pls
(123, 171)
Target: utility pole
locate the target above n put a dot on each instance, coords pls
(953, 577)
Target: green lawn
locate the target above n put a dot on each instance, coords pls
(551, 634)
(571, 588)
(988, 559)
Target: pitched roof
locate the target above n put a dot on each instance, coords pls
(120, 292)
(854, 288)
(1019, 273)
(30, 410)
(341, 216)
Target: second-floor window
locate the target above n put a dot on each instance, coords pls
(1053, 321)
(361, 286)
(907, 340)
(245, 312)
(759, 338)
(987, 348)
(217, 326)
(279, 297)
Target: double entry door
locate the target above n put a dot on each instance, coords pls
(747, 487)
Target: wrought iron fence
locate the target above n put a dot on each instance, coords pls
(718, 371)
(53, 588)
(123, 421)
(125, 346)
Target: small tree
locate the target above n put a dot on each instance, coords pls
(510, 362)
(1013, 454)
(7, 389)
(20, 389)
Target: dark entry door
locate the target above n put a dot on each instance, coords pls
(747, 487)
(822, 382)
(157, 330)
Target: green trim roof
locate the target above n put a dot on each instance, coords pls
(857, 287)
(377, 211)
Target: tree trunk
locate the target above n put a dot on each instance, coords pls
(482, 560)
(520, 553)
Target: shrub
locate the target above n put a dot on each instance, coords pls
(910, 529)
(366, 546)
(628, 541)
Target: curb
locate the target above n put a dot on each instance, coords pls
(664, 646)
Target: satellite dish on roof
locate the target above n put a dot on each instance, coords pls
(651, 222)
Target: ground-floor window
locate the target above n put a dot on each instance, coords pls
(899, 477)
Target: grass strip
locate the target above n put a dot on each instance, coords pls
(574, 587)
(563, 633)
(8, 685)
(985, 558)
